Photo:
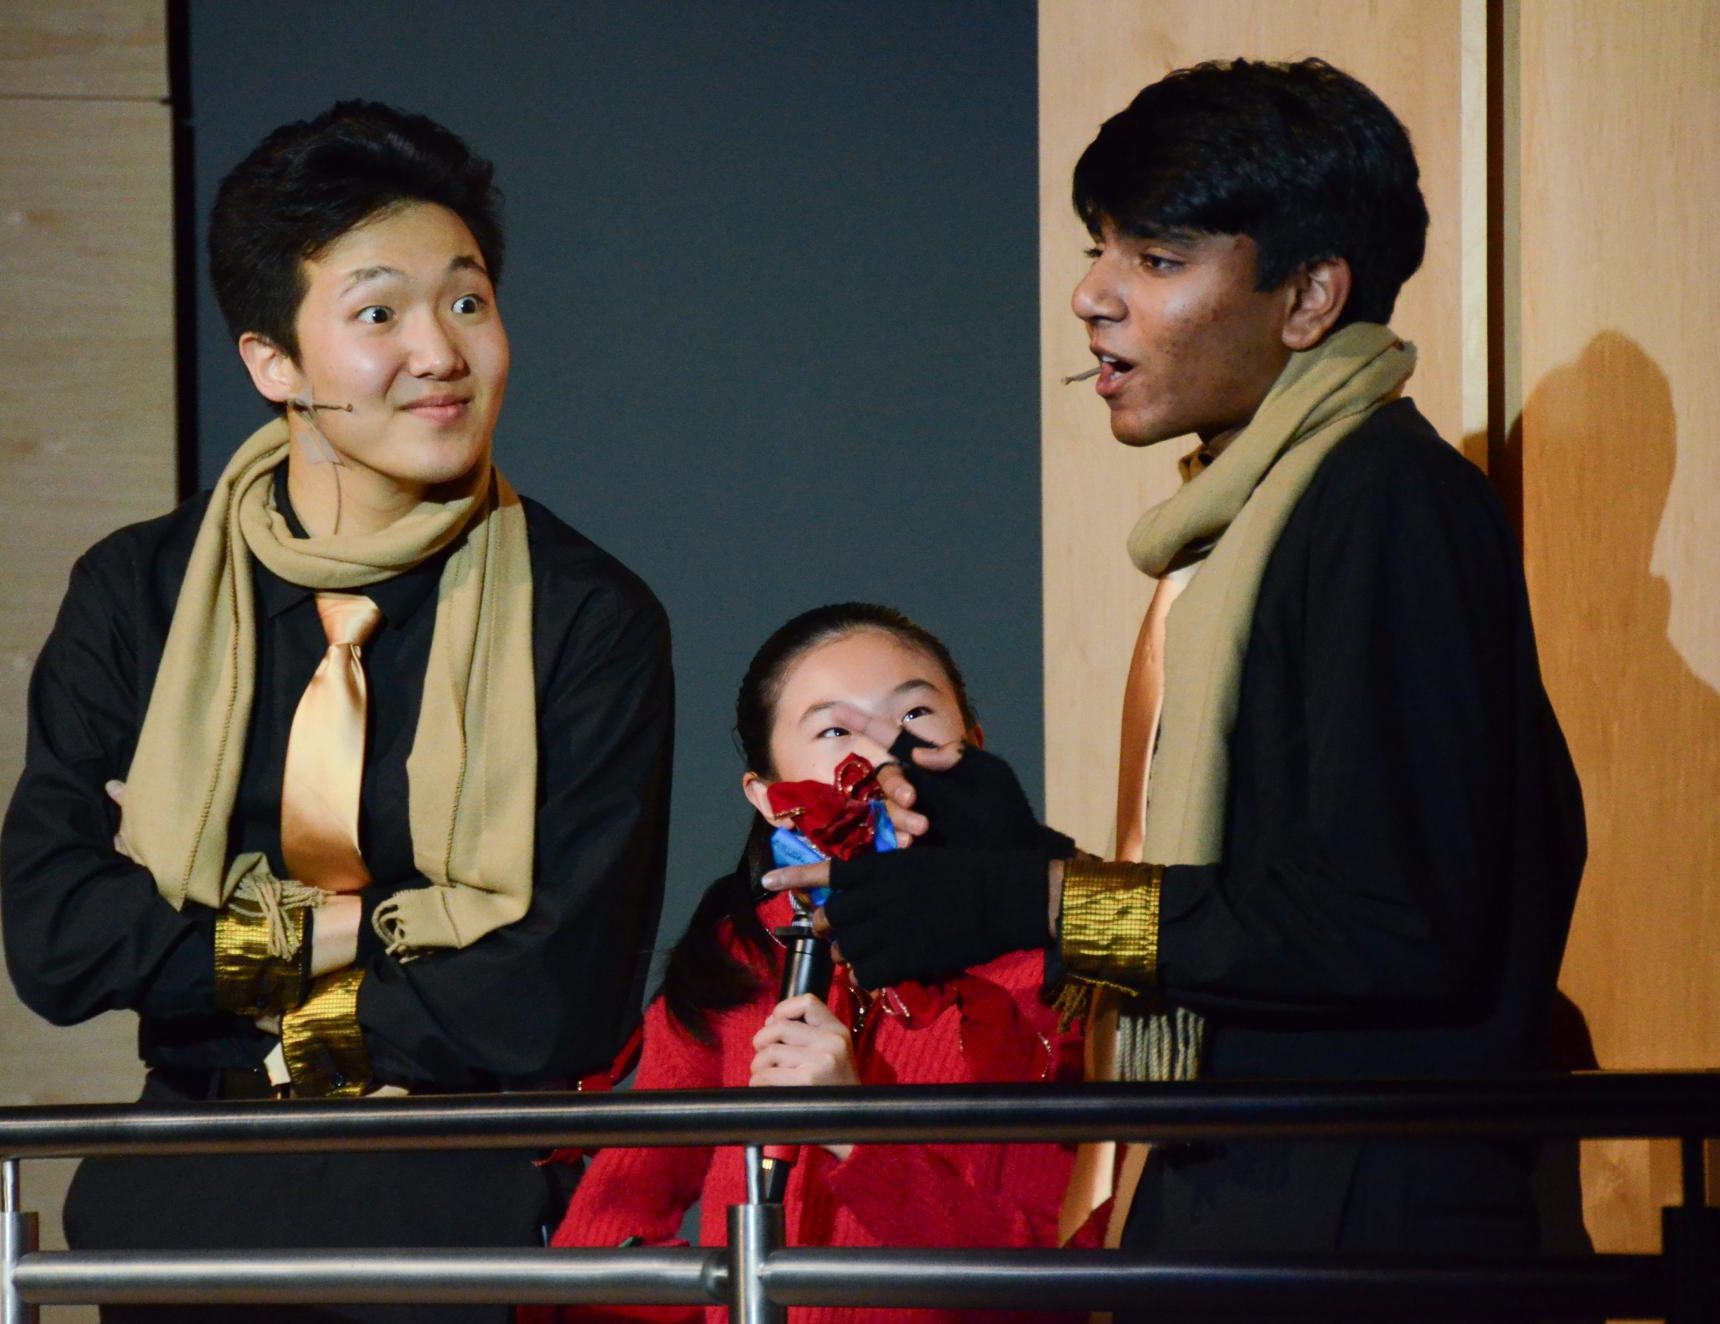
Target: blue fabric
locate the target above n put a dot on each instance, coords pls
(788, 847)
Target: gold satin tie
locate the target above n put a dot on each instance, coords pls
(1144, 695)
(1143, 705)
(324, 772)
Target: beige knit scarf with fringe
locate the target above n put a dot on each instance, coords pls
(1227, 518)
(472, 772)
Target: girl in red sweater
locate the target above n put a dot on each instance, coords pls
(716, 1021)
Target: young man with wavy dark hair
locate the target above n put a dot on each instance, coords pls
(351, 775)
(1349, 833)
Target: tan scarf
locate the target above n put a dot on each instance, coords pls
(1228, 517)
(472, 772)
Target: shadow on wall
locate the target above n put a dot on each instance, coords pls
(1644, 728)
(1596, 463)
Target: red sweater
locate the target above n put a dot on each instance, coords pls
(987, 1025)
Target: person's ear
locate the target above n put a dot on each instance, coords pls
(757, 791)
(976, 736)
(1318, 294)
(272, 369)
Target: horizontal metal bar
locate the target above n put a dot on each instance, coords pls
(1599, 1287)
(1601, 1105)
(642, 1276)
(1606, 1285)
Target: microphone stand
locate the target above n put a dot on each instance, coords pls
(807, 967)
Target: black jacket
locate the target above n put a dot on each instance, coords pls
(1403, 841)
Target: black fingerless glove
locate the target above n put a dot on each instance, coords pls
(978, 803)
(926, 914)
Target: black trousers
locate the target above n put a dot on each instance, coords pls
(451, 1198)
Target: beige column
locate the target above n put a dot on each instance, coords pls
(86, 400)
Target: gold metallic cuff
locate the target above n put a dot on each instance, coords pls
(322, 1041)
(1109, 923)
(249, 980)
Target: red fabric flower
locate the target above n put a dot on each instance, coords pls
(836, 818)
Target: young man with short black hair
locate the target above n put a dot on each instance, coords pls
(1364, 834)
(391, 743)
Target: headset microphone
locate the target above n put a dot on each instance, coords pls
(316, 447)
(807, 967)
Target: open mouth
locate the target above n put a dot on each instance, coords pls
(1112, 372)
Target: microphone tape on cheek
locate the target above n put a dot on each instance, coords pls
(315, 445)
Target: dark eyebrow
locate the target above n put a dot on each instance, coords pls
(358, 276)
(1175, 236)
(361, 274)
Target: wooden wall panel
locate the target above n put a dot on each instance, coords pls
(89, 438)
(87, 399)
(1424, 57)
(1620, 451)
(83, 48)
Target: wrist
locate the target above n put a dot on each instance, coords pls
(1014, 903)
(1108, 922)
(262, 939)
(259, 971)
(322, 1041)
(334, 934)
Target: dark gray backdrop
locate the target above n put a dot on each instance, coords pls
(771, 288)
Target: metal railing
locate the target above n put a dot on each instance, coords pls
(757, 1276)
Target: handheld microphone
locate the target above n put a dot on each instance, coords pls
(807, 967)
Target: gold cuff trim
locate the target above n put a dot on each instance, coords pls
(250, 980)
(322, 1041)
(1109, 923)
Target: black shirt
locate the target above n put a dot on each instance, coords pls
(549, 996)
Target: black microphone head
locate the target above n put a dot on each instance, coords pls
(807, 966)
